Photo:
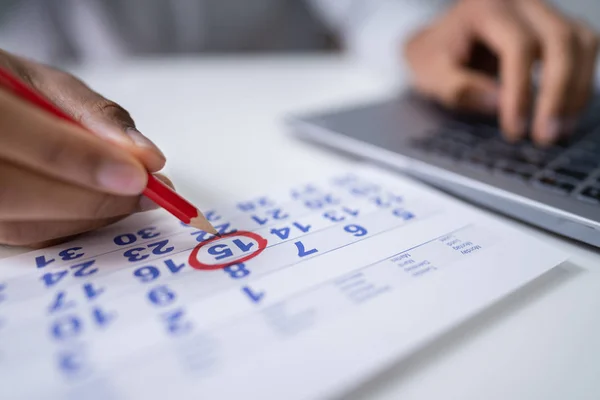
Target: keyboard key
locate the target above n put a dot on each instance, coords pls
(485, 132)
(572, 174)
(536, 156)
(578, 165)
(588, 146)
(519, 171)
(583, 155)
(555, 185)
(442, 146)
(460, 136)
(479, 161)
(520, 159)
(591, 194)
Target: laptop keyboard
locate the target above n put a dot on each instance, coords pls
(566, 169)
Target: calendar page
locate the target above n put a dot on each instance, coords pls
(310, 291)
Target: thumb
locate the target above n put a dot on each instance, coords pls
(101, 116)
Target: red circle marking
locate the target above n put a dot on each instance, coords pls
(196, 264)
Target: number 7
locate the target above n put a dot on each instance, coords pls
(302, 252)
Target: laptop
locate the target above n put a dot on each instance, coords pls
(556, 188)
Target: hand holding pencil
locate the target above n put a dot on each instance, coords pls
(58, 179)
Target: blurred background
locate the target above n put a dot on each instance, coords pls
(67, 31)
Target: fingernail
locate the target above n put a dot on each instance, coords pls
(139, 139)
(490, 101)
(147, 205)
(552, 130)
(521, 128)
(121, 178)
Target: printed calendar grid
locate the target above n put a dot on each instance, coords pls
(153, 303)
(163, 236)
(227, 325)
(334, 225)
(256, 276)
(257, 229)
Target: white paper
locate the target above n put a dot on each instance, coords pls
(358, 270)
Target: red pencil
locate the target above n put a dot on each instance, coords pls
(160, 193)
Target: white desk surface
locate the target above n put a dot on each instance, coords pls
(219, 121)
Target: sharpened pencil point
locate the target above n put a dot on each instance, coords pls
(201, 223)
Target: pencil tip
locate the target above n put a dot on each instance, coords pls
(201, 223)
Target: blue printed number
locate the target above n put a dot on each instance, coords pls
(313, 199)
(284, 233)
(134, 255)
(338, 216)
(66, 327)
(305, 191)
(2, 289)
(71, 254)
(255, 297)
(66, 255)
(356, 230)
(404, 214)
(84, 269)
(221, 251)
(344, 180)
(70, 326)
(261, 202)
(387, 200)
(130, 238)
(71, 362)
(81, 270)
(161, 296)
(92, 292)
(302, 252)
(237, 271)
(243, 246)
(174, 268)
(176, 323)
(363, 189)
(41, 261)
(140, 253)
(149, 273)
(276, 214)
(321, 202)
(52, 278)
(160, 248)
(60, 303)
(101, 317)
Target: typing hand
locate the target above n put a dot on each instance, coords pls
(479, 56)
(58, 180)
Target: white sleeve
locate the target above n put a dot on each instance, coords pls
(374, 31)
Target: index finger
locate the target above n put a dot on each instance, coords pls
(101, 116)
(34, 139)
(500, 27)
